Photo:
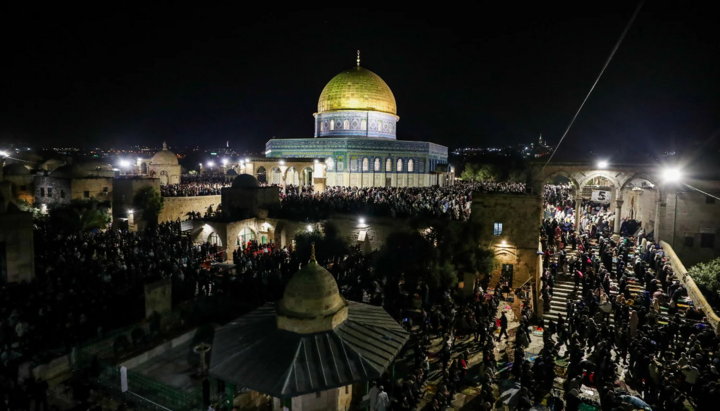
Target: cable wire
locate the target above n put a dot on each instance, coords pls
(612, 53)
(700, 191)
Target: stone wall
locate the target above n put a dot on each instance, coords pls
(517, 242)
(696, 217)
(692, 289)
(178, 207)
(16, 242)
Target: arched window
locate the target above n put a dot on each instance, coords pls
(388, 166)
(363, 124)
(322, 126)
(346, 125)
(366, 164)
(377, 164)
(332, 124)
(379, 125)
(411, 166)
(399, 164)
(340, 165)
(329, 163)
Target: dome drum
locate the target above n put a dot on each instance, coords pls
(356, 123)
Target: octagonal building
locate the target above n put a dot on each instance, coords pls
(356, 135)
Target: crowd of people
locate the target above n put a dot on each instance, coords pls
(626, 321)
(452, 202)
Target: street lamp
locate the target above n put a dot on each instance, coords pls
(124, 163)
(671, 174)
(3, 153)
(602, 164)
(309, 228)
(211, 164)
(224, 161)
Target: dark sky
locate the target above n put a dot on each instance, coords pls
(461, 77)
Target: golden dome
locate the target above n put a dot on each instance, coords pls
(357, 89)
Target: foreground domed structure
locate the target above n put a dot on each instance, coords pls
(309, 346)
(356, 126)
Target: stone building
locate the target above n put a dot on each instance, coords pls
(245, 198)
(509, 226)
(310, 349)
(123, 195)
(355, 135)
(22, 182)
(74, 182)
(17, 255)
(163, 165)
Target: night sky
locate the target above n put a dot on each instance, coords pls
(482, 76)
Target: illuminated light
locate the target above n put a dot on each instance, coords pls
(247, 160)
(139, 159)
(124, 163)
(282, 162)
(504, 242)
(268, 152)
(211, 164)
(671, 174)
(362, 221)
(3, 153)
(602, 164)
(130, 211)
(309, 228)
(316, 161)
(206, 226)
(224, 161)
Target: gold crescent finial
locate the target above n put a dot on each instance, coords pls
(312, 253)
(358, 58)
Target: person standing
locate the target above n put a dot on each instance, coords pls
(374, 391)
(503, 327)
(383, 401)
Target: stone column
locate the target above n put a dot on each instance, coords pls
(284, 181)
(618, 216)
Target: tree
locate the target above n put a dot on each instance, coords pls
(149, 203)
(80, 215)
(329, 245)
(707, 278)
(480, 172)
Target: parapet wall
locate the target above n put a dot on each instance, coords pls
(179, 207)
(692, 288)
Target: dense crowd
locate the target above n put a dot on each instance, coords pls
(192, 189)
(451, 202)
(89, 283)
(665, 356)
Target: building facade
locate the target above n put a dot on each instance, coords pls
(356, 138)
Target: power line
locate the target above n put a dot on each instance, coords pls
(700, 191)
(612, 53)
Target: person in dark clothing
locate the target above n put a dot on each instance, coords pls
(503, 327)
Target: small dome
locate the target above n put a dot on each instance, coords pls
(231, 172)
(52, 164)
(245, 181)
(312, 292)
(69, 171)
(16, 170)
(357, 89)
(164, 157)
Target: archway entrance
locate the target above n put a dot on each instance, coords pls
(214, 239)
(244, 237)
(291, 176)
(143, 168)
(164, 179)
(262, 175)
(307, 176)
(276, 176)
